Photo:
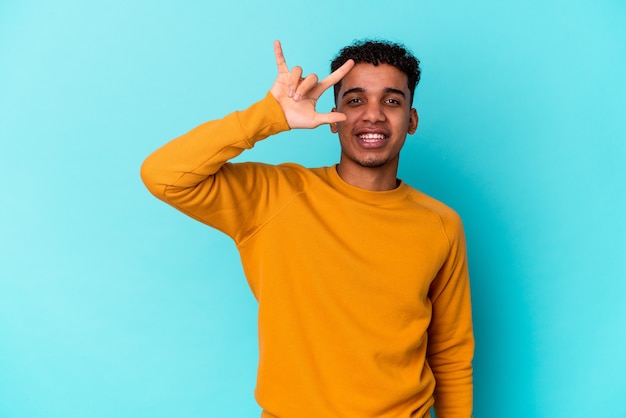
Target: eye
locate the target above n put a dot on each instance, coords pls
(394, 102)
(354, 100)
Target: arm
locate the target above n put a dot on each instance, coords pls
(451, 339)
(191, 173)
(190, 159)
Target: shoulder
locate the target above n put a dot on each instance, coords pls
(450, 220)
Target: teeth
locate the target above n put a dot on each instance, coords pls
(372, 137)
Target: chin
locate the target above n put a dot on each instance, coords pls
(372, 162)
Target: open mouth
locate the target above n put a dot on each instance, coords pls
(372, 139)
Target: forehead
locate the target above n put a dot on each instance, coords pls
(375, 78)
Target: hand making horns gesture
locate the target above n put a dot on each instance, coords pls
(298, 96)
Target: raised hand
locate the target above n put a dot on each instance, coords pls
(298, 96)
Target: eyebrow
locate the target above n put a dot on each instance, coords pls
(362, 90)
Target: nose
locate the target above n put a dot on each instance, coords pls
(373, 112)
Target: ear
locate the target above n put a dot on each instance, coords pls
(413, 119)
(333, 126)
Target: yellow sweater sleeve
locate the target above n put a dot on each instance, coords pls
(183, 172)
(450, 335)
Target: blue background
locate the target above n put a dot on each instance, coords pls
(114, 305)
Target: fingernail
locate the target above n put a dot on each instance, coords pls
(297, 96)
(290, 93)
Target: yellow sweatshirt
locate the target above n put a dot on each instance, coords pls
(364, 299)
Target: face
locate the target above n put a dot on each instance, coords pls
(376, 102)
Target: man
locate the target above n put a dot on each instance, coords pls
(361, 280)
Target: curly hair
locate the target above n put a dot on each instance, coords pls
(380, 52)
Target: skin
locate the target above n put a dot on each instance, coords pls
(376, 102)
(372, 117)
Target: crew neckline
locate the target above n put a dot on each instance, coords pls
(364, 195)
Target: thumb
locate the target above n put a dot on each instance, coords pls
(330, 117)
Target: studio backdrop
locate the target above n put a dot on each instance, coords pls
(113, 304)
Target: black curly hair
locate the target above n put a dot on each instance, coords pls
(380, 52)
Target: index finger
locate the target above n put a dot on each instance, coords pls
(280, 58)
(335, 77)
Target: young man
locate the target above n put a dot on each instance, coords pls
(361, 280)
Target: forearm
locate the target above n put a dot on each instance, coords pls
(450, 359)
(197, 155)
(454, 382)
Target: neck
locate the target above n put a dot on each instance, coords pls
(376, 179)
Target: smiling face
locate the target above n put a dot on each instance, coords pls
(376, 102)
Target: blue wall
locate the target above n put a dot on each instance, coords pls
(114, 305)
